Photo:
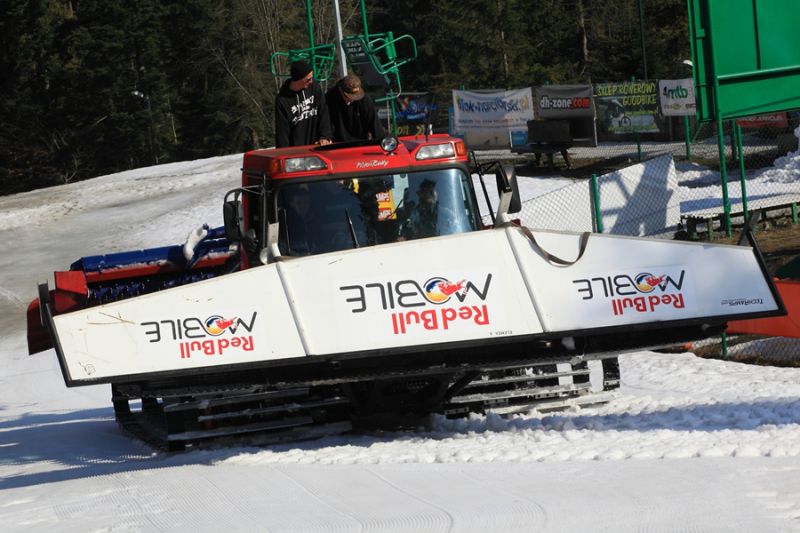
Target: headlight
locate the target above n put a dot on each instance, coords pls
(389, 144)
(302, 164)
(436, 151)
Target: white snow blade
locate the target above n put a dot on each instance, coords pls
(486, 288)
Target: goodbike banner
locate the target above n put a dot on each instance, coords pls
(495, 110)
(627, 107)
(677, 98)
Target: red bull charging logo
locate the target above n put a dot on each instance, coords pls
(216, 325)
(646, 282)
(439, 290)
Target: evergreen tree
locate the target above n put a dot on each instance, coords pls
(93, 87)
(27, 31)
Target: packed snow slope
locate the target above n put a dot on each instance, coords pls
(687, 444)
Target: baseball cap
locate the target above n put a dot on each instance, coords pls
(351, 86)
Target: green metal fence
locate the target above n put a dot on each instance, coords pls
(764, 177)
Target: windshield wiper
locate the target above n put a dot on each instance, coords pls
(283, 227)
(352, 229)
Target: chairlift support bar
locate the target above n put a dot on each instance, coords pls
(321, 57)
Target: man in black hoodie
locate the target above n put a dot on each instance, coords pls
(301, 115)
(352, 112)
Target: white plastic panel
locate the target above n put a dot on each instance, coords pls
(624, 280)
(239, 318)
(447, 289)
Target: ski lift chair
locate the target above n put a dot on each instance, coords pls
(374, 58)
(321, 58)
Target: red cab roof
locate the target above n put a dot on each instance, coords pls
(350, 159)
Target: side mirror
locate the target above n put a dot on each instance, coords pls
(233, 216)
(516, 202)
(507, 191)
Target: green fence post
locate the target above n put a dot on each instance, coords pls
(724, 337)
(687, 132)
(794, 212)
(723, 176)
(639, 146)
(598, 217)
(738, 136)
(717, 114)
(638, 138)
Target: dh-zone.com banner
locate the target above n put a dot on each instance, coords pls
(564, 101)
(495, 110)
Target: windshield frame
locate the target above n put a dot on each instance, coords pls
(360, 223)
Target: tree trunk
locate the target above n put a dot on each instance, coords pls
(584, 38)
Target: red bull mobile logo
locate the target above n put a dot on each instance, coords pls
(642, 293)
(192, 334)
(402, 297)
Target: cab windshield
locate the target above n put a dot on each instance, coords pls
(325, 216)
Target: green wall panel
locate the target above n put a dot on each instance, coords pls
(746, 55)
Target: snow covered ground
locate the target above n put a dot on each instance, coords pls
(701, 191)
(687, 444)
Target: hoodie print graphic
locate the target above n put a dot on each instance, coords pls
(303, 109)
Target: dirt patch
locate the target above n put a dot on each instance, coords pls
(752, 350)
(778, 239)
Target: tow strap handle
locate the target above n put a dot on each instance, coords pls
(584, 240)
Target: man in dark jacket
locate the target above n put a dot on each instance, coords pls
(301, 116)
(352, 112)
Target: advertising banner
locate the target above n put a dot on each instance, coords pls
(564, 101)
(677, 97)
(627, 107)
(770, 120)
(413, 111)
(509, 110)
